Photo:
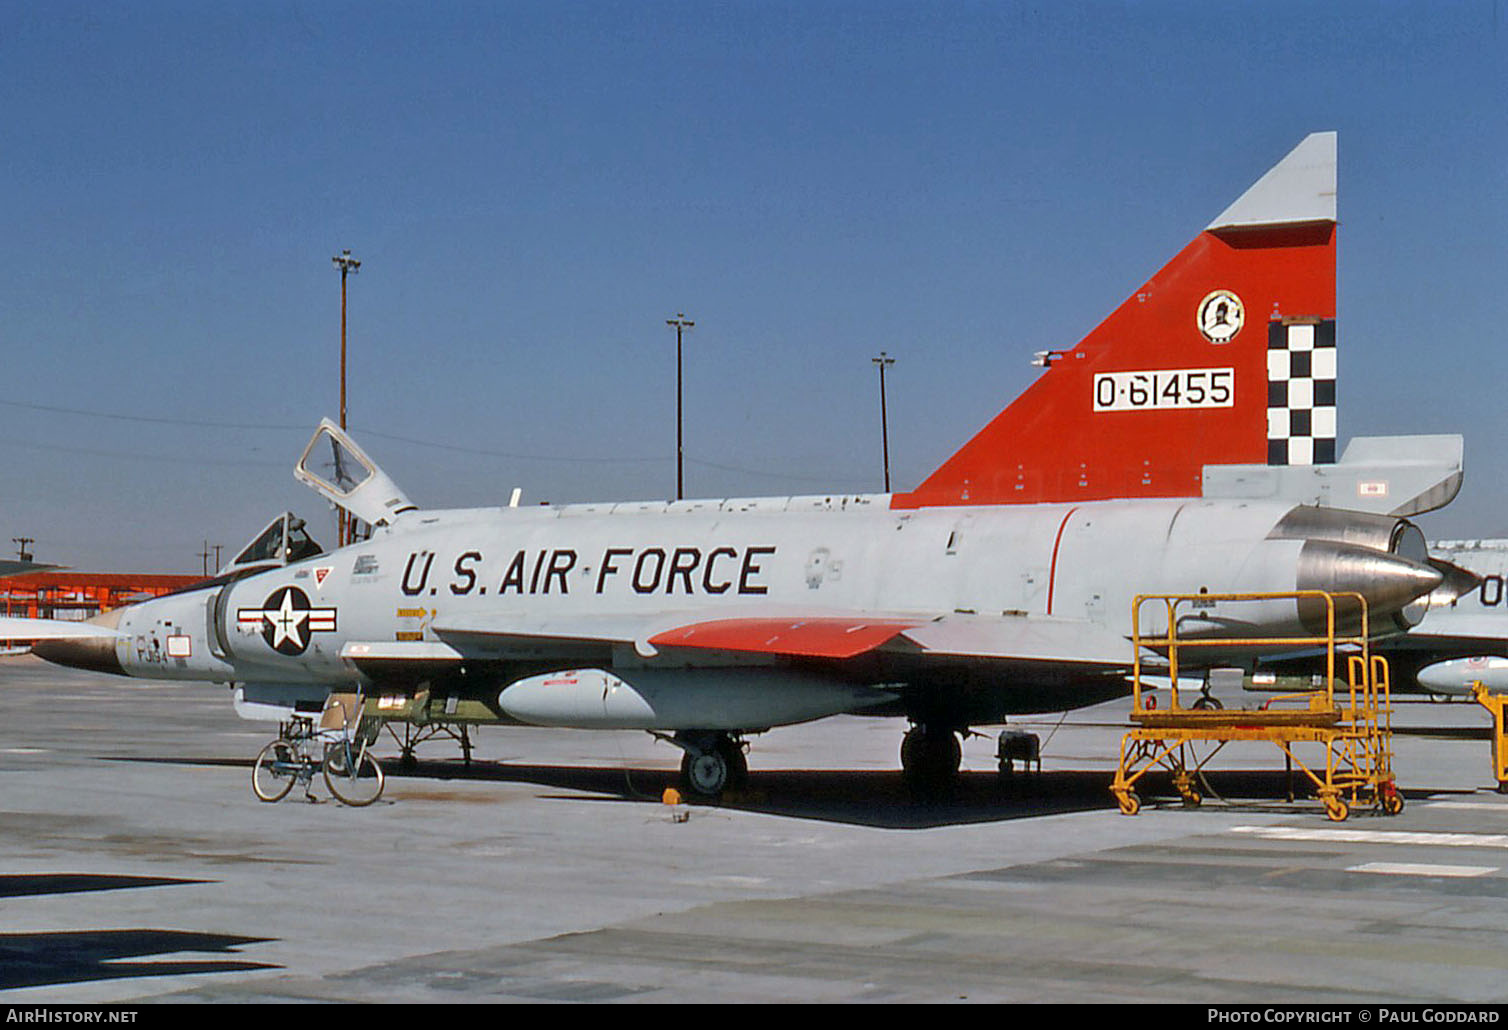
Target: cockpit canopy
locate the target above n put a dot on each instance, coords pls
(337, 469)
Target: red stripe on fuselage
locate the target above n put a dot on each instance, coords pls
(1052, 574)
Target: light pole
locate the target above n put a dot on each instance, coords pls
(681, 324)
(347, 264)
(882, 361)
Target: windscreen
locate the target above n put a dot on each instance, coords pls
(285, 540)
(265, 548)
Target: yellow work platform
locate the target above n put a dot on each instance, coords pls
(1348, 718)
(1495, 703)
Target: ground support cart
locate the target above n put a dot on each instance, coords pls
(1339, 734)
(414, 719)
(1495, 703)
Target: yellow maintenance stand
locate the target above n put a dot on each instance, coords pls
(1495, 703)
(1348, 718)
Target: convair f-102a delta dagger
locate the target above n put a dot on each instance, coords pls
(1187, 444)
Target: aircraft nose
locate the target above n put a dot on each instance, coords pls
(96, 654)
(1387, 581)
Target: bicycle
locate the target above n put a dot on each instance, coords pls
(335, 748)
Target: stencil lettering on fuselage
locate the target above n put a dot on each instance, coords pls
(643, 570)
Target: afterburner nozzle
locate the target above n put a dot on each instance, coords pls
(94, 653)
(1389, 583)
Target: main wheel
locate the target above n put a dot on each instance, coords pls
(362, 788)
(706, 773)
(275, 770)
(713, 762)
(930, 757)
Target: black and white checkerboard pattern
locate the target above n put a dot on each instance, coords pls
(1301, 393)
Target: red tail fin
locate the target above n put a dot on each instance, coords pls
(1227, 356)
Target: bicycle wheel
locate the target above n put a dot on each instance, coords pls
(274, 772)
(353, 775)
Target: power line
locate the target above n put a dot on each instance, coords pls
(362, 431)
(169, 458)
(156, 419)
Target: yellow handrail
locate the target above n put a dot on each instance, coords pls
(1172, 643)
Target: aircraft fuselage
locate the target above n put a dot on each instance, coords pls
(525, 588)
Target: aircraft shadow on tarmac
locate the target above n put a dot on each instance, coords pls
(860, 798)
(80, 956)
(28, 885)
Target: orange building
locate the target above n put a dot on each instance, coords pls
(78, 595)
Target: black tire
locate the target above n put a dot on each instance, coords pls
(930, 758)
(738, 764)
(706, 774)
(361, 789)
(273, 773)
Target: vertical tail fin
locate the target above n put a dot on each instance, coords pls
(1226, 356)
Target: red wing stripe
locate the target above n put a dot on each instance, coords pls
(805, 638)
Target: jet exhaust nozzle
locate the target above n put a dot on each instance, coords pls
(1388, 582)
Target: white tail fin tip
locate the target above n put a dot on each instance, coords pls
(1298, 189)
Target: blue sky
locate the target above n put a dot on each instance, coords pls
(533, 188)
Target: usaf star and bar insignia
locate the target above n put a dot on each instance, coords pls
(287, 620)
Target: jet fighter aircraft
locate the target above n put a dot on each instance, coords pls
(1185, 445)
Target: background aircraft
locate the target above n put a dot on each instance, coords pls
(1187, 444)
(1462, 640)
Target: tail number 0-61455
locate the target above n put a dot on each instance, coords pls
(1161, 390)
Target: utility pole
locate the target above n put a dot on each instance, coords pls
(882, 361)
(681, 324)
(204, 559)
(21, 542)
(347, 264)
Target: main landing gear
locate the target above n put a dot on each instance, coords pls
(930, 756)
(713, 762)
